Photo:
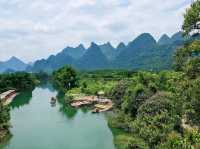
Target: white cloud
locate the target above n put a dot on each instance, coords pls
(35, 29)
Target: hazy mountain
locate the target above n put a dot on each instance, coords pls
(108, 50)
(93, 59)
(141, 53)
(178, 37)
(76, 52)
(13, 64)
(54, 62)
(143, 41)
(121, 47)
(139, 47)
(164, 40)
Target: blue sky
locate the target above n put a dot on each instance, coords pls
(34, 29)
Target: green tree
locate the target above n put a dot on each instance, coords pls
(66, 77)
(191, 17)
(187, 59)
(118, 92)
(192, 105)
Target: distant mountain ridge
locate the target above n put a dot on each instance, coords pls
(12, 65)
(76, 52)
(144, 52)
(108, 50)
(165, 40)
(93, 59)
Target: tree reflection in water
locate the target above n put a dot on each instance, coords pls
(66, 109)
(22, 99)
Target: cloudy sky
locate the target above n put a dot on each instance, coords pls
(33, 29)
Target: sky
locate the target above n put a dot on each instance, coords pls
(35, 29)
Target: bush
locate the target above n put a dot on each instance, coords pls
(129, 142)
(156, 117)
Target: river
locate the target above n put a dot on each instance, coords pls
(38, 125)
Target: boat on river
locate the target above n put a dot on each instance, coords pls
(53, 101)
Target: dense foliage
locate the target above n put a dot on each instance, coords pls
(191, 17)
(188, 60)
(4, 120)
(152, 106)
(162, 109)
(19, 81)
(65, 78)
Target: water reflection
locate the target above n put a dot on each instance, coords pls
(67, 110)
(45, 85)
(85, 109)
(6, 141)
(22, 99)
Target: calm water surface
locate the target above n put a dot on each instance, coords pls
(37, 125)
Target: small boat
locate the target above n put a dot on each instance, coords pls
(53, 100)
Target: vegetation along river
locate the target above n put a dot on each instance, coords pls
(38, 125)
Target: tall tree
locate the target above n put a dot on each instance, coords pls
(65, 77)
(191, 17)
(187, 59)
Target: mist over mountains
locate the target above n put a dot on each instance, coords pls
(144, 52)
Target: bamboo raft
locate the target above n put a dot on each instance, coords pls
(102, 108)
(8, 96)
(100, 104)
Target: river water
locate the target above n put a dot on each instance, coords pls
(38, 125)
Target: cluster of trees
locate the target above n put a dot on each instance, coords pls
(19, 81)
(161, 110)
(153, 106)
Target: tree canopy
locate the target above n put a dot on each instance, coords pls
(187, 59)
(191, 17)
(65, 77)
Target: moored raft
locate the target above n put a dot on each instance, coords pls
(85, 100)
(8, 96)
(100, 104)
(102, 107)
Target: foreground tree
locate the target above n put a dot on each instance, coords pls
(156, 117)
(192, 18)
